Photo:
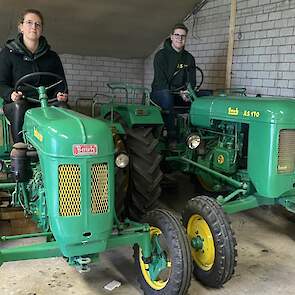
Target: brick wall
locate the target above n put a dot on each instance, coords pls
(87, 76)
(264, 53)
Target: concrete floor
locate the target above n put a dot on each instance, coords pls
(266, 263)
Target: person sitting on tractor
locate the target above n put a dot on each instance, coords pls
(29, 52)
(174, 68)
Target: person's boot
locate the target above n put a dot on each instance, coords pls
(172, 144)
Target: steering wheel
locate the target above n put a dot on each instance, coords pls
(201, 80)
(22, 81)
(183, 87)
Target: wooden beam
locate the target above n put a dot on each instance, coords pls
(11, 213)
(231, 40)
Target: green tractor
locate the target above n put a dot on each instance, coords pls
(241, 150)
(63, 176)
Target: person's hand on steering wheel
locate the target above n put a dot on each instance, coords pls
(62, 96)
(184, 95)
(16, 95)
(23, 81)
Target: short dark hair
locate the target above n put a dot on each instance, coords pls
(179, 26)
(30, 10)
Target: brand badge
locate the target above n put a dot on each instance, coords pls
(85, 149)
(38, 135)
(233, 111)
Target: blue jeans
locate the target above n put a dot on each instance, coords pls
(166, 101)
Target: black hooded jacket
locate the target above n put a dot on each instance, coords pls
(16, 61)
(172, 69)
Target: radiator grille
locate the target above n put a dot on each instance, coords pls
(286, 157)
(69, 185)
(99, 188)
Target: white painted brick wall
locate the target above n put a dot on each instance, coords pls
(267, 68)
(264, 52)
(87, 76)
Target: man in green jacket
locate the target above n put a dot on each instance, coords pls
(174, 67)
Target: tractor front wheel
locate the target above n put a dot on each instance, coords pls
(213, 244)
(169, 271)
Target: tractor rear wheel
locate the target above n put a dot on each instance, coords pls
(213, 244)
(145, 174)
(139, 188)
(169, 271)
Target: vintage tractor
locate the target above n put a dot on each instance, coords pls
(241, 150)
(64, 179)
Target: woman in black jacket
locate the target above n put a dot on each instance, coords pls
(29, 52)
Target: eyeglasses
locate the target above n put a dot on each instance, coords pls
(32, 24)
(179, 36)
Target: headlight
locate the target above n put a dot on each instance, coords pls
(193, 141)
(122, 160)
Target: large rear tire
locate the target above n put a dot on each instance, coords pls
(139, 188)
(213, 244)
(169, 271)
(145, 174)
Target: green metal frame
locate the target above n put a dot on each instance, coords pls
(134, 234)
(135, 109)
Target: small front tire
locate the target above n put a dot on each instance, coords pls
(213, 244)
(169, 272)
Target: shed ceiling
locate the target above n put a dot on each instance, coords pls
(114, 28)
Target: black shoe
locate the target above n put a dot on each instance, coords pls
(172, 145)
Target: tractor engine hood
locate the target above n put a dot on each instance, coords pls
(61, 132)
(272, 110)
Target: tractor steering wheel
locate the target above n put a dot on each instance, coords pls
(184, 87)
(22, 81)
(201, 80)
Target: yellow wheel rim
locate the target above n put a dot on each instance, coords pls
(159, 283)
(198, 228)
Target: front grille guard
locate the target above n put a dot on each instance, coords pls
(69, 184)
(286, 151)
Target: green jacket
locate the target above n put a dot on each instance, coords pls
(172, 69)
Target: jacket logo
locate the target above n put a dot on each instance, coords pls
(181, 66)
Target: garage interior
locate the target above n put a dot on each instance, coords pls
(243, 43)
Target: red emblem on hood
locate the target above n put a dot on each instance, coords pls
(85, 149)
